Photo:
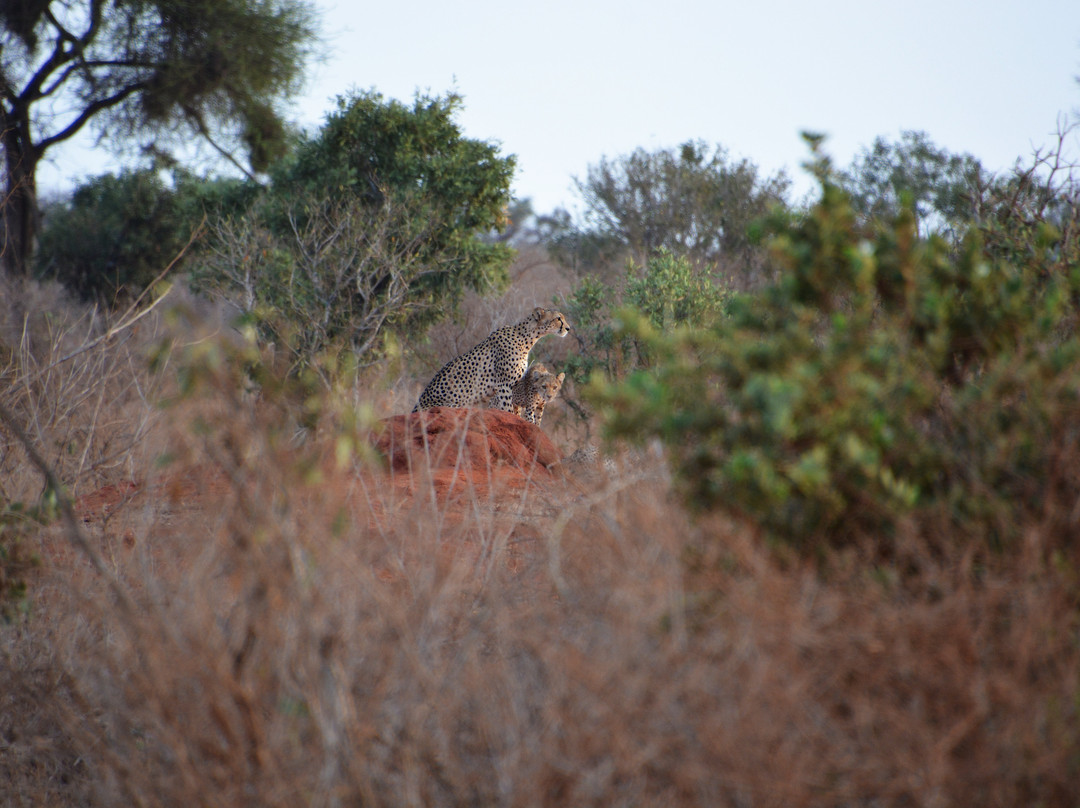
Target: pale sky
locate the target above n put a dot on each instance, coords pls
(561, 84)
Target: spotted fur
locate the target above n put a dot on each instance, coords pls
(533, 391)
(489, 371)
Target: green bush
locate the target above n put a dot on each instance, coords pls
(334, 289)
(382, 153)
(118, 232)
(876, 381)
(694, 200)
(667, 292)
(372, 230)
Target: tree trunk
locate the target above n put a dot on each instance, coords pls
(19, 203)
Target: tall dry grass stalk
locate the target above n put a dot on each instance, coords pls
(303, 631)
(75, 378)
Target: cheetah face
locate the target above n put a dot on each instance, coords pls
(549, 321)
(552, 385)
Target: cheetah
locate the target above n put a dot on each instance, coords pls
(498, 362)
(537, 388)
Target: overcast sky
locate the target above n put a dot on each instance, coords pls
(561, 83)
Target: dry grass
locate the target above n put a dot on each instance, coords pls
(82, 395)
(276, 628)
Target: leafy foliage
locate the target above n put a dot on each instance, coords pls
(942, 189)
(694, 201)
(670, 293)
(875, 381)
(118, 232)
(375, 227)
(665, 294)
(384, 152)
(174, 69)
(345, 276)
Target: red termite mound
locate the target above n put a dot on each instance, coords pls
(458, 447)
(455, 450)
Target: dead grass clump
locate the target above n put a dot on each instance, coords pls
(77, 385)
(290, 627)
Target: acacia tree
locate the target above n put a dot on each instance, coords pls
(694, 201)
(166, 69)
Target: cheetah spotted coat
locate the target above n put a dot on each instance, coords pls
(491, 369)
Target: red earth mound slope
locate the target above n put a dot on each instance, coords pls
(457, 448)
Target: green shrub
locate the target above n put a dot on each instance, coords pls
(372, 230)
(667, 292)
(338, 286)
(385, 155)
(118, 232)
(694, 200)
(874, 382)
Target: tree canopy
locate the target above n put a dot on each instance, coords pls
(942, 188)
(693, 200)
(383, 151)
(166, 70)
(375, 224)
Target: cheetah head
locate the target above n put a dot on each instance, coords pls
(543, 381)
(549, 321)
(552, 385)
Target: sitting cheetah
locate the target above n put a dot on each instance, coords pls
(499, 362)
(533, 391)
(588, 460)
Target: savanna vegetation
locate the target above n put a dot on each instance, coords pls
(832, 559)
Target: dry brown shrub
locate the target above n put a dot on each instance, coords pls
(85, 399)
(270, 626)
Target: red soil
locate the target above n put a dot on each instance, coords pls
(473, 460)
(466, 450)
(457, 451)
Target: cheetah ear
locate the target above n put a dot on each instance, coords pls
(560, 378)
(538, 312)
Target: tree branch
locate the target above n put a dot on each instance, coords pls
(200, 124)
(75, 532)
(59, 56)
(90, 111)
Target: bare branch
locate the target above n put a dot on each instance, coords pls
(196, 117)
(89, 112)
(74, 532)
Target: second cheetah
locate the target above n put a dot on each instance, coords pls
(533, 391)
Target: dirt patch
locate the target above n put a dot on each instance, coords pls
(454, 468)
